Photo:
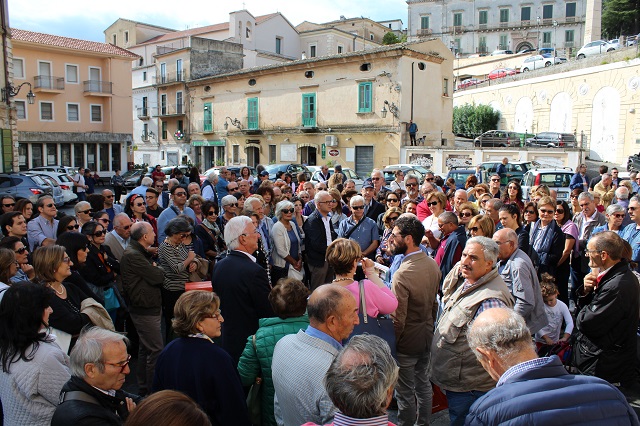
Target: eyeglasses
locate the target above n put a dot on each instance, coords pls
(84, 211)
(467, 214)
(328, 202)
(288, 210)
(123, 227)
(574, 196)
(513, 187)
(394, 236)
(474, 229)
(430, 179)
(215, 316)
(433, 203)
(103, 220)
(160, 187)
(232, 189)
(139, 204)
(66, 259)
(631, 209)
(357, 207)
(122, 364)
(410, 185)
(393, 218)
(484, 201)
(560, 211)
(231, 205)
(21, 250)
(375, 178)
(72, 227)
(589, 252)
(49, 205)
(495, 180)
(618, 215)
(545, 211)
(108, 196)
(100, 233)
(180, 194)
(529, 212)
(9, 205)
(211, 212)
(392, 200)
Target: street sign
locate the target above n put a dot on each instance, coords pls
(334, 152)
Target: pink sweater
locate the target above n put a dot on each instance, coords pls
(379, 300)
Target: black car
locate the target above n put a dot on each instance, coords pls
(21, 186)
(633, 163)
(293, 169)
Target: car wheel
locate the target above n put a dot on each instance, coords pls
(525, 69)
(580, 56)
(611, 50)
(477, 144)
(547, 64)
(502, 145)
(551, 145)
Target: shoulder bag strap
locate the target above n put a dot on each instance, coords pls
(348, 234)
(78, 396)
(363, 302)
(208, 231)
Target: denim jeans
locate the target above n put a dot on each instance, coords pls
(459, 404)
(414, 391)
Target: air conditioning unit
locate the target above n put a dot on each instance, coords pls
(331, 140)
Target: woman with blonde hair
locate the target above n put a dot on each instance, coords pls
(195, 202)
(336, 181)
(383, 254)
(436, 201)
(287, 243)
(337, 212)
(481, 226)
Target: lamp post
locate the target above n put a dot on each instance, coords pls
(555, 35)
(10, 91)
(538, 37)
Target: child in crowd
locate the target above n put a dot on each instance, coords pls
(556, 311)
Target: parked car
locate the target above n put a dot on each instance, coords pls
(615, 43)
(460, 176)
(20, 185)
(632, 40)
(131, 177)
(552, 140)
(501, 52)
(557, 59)
(66, 185)
(633, 163)
(294, 169)
(56, 191)
(469, 82)
(501, 138)
(595, 48)
(557, 179)
(546, 51)
(527, 50)
(501, 73)
(57, 169)
(536, 62)
(347, 172)
(423, 170)
(515, 170)
(390, 172)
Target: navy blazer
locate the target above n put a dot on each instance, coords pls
(375, 210)
(315, 239)
(243, 288)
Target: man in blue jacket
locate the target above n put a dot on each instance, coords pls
(534, 390)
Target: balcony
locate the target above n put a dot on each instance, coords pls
(515, 25)
(170, 78)
(424, 32)
(170, 110)
(146, 113)
(97, 88)
(253, 125)
(200, 126)
(48, 84)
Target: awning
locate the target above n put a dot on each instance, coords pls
(308, 145)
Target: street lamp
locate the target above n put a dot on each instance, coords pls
(234, 122)
(538, 38)
(10, 91)
(392, 108)
(555, 35)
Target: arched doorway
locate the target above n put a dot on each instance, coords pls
(308, 154)
(524, 46)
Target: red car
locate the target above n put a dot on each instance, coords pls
(501, 72)
(469, 82)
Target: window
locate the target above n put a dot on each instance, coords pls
(253, 121)
(235, 154)
(145, 132)
(208, 118)
(504, 16)
(482, 44)
(163, 73)
(272, 154)
(96, 113)
(278, 45)
(525, 13)
(424, 22)
(178, 102)
(547, 11)
(340, 48)
(312, 51)
(73, 112)
(78, 154)
(371, 37)
(568, 36)
(115, 39)
(571, 10)
(503, 42)
(21, 110)
(309, 109)
(164, 130)
(546, 37)
(445, 87)
(144, 76)
(179, 73)
(72, 73)
(18, 68)
(483, 17)
(163, 104)
(364, 97)
(457, 19)
(145, 106)
(46, 111)
(126, 36)
(181, 126)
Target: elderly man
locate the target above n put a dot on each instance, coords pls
(153, 208)
(93, 395)
(494, 185)
(608, 318)
(118, 239)
(209, 188)
(242, 285)
(459, 197)
(323, 175)
(254, 205)
(8, 203)
(163, 196)
(606, 189)
(42, 230)
(310, 206)
(415, 285)
(372, 208)
(223, 182)
(520, 276)
(454, 238)
(588, 219)
(377, 178)
(359, 228)
(580, 180)
(142, 279)
(193, 188)
(412, 184)
(244, 188)
(301, 360)
(622, 196)
(178, 207)
(111, 208)
(360, 382)
(141, 190)
(534, 390)
(473, 286)
(492, 209)
(318, 235)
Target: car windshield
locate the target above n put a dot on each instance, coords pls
(276, 168)
(131, 173)
(459, 177)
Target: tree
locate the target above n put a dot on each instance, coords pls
(620, 17)
(390, 38)
(471, 119)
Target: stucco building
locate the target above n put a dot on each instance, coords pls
(350, 109)
(82, 110)
(482, 26)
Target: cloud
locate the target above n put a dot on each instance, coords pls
(88, 19)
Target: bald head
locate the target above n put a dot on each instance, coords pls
(122, 225)
(333, 310)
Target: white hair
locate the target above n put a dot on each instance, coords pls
(146, 181)
(318, 195)
(622, 193)
(89, 349)
(212, 177)
(356, 198)
(234, 229)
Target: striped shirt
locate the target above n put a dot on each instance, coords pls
(487, 303)
(171, 260)
(522, 367)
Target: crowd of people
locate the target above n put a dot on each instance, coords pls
(491, 297)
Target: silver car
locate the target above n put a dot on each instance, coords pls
(56, 191)
(557, 179)
(595, 48)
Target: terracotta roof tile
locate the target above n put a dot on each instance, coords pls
(69, 43)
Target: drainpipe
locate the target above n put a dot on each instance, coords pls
(412, 77)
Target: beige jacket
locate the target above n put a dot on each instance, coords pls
(97, 314)
(606, 194)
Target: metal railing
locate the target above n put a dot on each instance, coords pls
(48, 82)
(544, 24)
(98, 86)
(170, 109)
(145, 113)
(171, 77)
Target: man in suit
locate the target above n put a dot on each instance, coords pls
(318, 234)
(372, 208)
(415, 285)
(300, 361)
(585, 221)
(118, 239)
(242, 285)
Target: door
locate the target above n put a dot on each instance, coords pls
(252, 114)
(364, 160)
(44, 75)
(309, 110)
(172, 158)
(179, 74)
(253, 156)
(308, 155)
(94, 79)
(163, 73)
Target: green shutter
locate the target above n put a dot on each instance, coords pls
(252, 114)
(208, 118)
(364, 97)
(7, 151)
(309, 109)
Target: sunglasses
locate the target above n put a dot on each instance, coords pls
(104, 220)
(72, 227)
(125, 227)
(474, 229)
(392, 200)
(108, 196)
(211, 213)
(231, 205)
(180, 194)
(288, 210)
(618, 215)
(139, 204)
(529, 212)
(394, 218)
(49, 205)
(433, 203)
(84, 211)
(376, 178)
(357, 207)
(495, 180)
(21, 250)
(100, 233)
(560, 211)
(467, 214)
(9, 205)
(410, 185)
(545, 211)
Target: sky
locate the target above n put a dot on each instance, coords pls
(87, 19)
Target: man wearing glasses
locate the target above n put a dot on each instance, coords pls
(318, 235)
(372, 208)
(8, 203)
(177, 207)
(361, 229)
(494, 185)
(118, 238)
(93, 395)
(412, 186)
(43, 229)
(110, 207)
(377, 178)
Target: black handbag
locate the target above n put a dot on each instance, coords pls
(381, 326)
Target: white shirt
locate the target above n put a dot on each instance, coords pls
(124, 243)
(253, 259)
(327, 228)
